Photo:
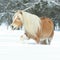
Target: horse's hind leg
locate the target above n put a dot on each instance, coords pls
(50, 37)
(43, 42)
(47, 41)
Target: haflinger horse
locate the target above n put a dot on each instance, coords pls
(41, 29)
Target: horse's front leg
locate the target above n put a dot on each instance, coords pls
(23, 37)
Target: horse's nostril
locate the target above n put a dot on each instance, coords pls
(13, 27)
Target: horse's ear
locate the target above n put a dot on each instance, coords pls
(21, 12)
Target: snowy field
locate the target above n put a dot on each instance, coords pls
(12, 38)
(12, 48)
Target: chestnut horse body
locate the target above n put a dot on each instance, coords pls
(39, 29)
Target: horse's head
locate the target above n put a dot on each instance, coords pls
(17, 20)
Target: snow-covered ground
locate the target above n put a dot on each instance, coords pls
(8, 37)
(12, 48)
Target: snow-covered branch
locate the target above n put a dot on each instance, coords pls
(55, 3)
(32, 5)
(7, 5)
(1, 4)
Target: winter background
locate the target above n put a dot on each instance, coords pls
(11, 47)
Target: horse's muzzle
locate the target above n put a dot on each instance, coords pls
(14, 28)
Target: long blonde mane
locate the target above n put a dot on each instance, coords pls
(31, 22)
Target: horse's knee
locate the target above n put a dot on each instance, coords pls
(23, 37)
